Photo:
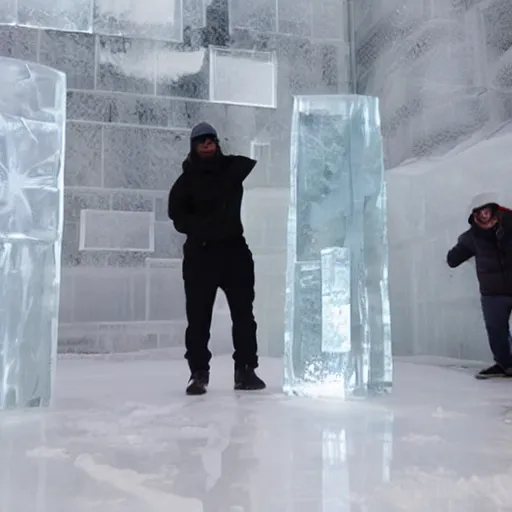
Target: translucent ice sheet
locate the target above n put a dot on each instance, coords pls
(32, 128)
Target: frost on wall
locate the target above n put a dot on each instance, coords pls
(442, 70)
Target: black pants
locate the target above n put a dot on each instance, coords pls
(227, 265)
(497, 310)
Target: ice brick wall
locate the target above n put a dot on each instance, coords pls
(436, 310)
(442, 69)
(140, 75)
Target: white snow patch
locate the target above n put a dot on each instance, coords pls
(47, 452)
(420, 439)
(441, 490)
(132, 483)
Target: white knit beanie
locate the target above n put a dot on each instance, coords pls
(483, 199)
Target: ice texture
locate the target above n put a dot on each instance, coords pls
(440, 68)
(32, 136)
(151, 19)
(117, 231)
(8, 15)
(438, 309)
(338, 328)
(75, 15)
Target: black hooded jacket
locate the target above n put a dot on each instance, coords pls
(492, 249)
(205, 201)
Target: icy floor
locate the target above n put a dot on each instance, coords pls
(124, 438)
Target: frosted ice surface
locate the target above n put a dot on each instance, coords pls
(32, 128)
(243, 77)
(75, 15)
(337, 336)
(258, 16)
(295, 17)
(165, 298)
(8, 12)
(102, 230)
(150, 19)
(437, 68)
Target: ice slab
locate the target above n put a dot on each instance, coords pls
(258, 16)
(8, 12)
(102, 230)
(32, 136)
(243, 77)
(151, 19)
(337, 334)
(75, 16)
(295, 17)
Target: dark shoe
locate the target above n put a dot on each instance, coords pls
(247, 380)
(198, 383)
(493, 372)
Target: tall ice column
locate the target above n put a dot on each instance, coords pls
(32, 136)
(338, 327)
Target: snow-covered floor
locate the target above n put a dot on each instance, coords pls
(124, 438)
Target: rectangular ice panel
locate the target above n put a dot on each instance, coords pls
(258, 16)
(335, 266)
(243, 77)
(260, 151)
(149, 19)
(295, 17)
(32, 139)
(337, 325)
(8, 12)
(102, 230)
(106, 294)
(72, 16)
(165, 296)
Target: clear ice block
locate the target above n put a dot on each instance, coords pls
(338, 326)
(32, 136)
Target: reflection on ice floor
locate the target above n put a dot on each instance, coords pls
(124, 438)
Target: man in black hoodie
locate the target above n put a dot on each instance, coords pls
(204, 204)
(489, 240)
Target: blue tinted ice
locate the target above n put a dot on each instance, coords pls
(32, 128)
(337, 335)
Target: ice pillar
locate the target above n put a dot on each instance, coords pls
(338, 332)
(32, 133)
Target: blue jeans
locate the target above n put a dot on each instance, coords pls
(497, 310)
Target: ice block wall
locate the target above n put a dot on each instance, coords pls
(438, 308)
(337, 326)
(440, 68)
(140, 75)
(32, 137)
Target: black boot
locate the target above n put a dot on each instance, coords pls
(198, 383)
(247, 380)
(493, 372)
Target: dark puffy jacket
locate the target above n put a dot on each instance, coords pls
(205, 201)
(492, 249)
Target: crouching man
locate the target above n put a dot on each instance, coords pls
(489, 240)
